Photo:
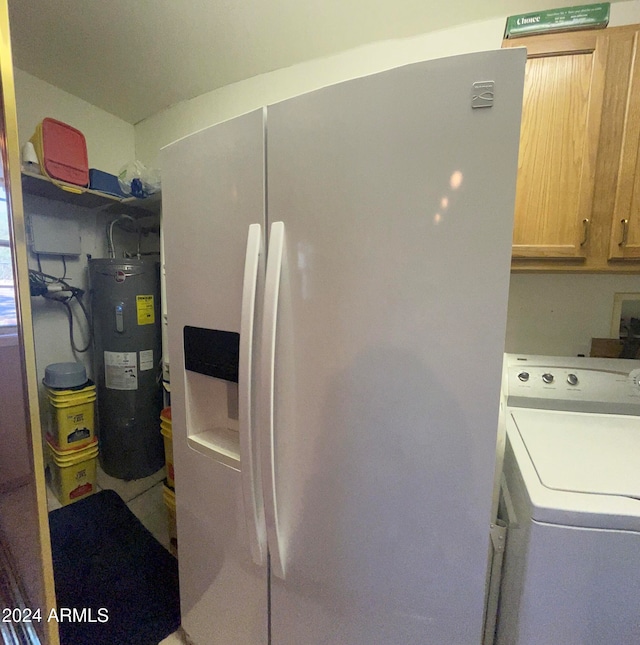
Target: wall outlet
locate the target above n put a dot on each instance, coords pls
(625, 307)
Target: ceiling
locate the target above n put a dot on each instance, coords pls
(134, 59)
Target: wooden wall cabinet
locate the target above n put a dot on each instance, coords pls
(578, 189)
(624, 243)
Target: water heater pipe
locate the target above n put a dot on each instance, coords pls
(110, 246)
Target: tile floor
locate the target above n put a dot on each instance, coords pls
(145, 501)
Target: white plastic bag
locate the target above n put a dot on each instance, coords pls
(137, 180)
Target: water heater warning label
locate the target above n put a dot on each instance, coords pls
(146, 313)
(121, 370)
(146, 360)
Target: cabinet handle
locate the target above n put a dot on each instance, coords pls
(585, 231)
(625, 232)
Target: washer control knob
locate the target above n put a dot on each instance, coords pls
(572, 379)
(634, 380)
(547, 378)
(523, 376)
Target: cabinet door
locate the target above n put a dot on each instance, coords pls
(624, 241)
(558, 144)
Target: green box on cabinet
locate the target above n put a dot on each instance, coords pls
(591, 16)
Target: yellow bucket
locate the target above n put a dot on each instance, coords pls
(71, 417)
(169, 498)
(167, 435)
(73, 472)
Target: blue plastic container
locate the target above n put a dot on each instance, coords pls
(105, 183)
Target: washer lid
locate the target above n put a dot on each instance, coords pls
(583, 453)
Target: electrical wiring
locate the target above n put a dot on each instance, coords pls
(67, 305)
(57, 289)
(39, 281)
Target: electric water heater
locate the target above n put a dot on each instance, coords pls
(125, 297)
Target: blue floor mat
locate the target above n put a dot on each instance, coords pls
(105, 559)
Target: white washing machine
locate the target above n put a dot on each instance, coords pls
(571, 496)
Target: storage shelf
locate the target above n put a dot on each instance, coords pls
(42, 186)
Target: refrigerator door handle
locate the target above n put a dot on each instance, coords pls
(267, 389)
(251, 491)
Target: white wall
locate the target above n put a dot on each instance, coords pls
(559, 314)
(238, 98)
(110, 140)
(50, 321)
(548, 313)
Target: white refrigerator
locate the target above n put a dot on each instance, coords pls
(337, 271)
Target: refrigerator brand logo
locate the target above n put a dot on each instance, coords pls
(120, 276)
(482, 94)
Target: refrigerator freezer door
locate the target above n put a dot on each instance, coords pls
(397, 198)
(213, 192)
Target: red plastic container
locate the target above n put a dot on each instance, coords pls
(62, 151)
